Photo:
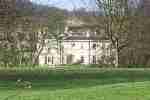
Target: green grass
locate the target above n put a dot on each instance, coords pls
(76, 84)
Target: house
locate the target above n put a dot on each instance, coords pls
(83, 44)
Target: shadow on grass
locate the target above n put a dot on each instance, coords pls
(69, 80)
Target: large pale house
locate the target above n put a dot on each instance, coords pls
(83, 44)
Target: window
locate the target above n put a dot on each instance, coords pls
(73, 44)
(94, 46)
(49, 59)
(52, 60)
(49, 49)
(82, 59)
(82, 46)
(94, 59)
(103, 46)
(45, 59)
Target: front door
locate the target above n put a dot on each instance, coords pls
(70, 59)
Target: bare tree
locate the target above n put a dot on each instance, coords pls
(24, 30)
(52, 28)
(116, 23)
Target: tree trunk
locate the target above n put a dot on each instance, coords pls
(117, 55)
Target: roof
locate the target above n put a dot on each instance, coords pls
(86, 38)
(86, 21)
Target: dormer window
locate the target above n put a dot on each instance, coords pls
(95, 33)
(87, 34)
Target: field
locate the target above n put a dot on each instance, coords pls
(75, 84)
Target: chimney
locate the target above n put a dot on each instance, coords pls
(146, 7)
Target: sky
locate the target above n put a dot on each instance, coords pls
(73, 4)
(68, 4)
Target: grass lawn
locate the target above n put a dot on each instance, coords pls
(97, 84)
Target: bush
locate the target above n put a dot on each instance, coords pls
(134, 66)
(99, 66)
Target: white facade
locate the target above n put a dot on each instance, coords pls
(76, 52)
(84, 51)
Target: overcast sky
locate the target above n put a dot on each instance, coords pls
(68, 4)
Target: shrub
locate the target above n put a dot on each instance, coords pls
(23, 84)
(134, 66)
(99, 66)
